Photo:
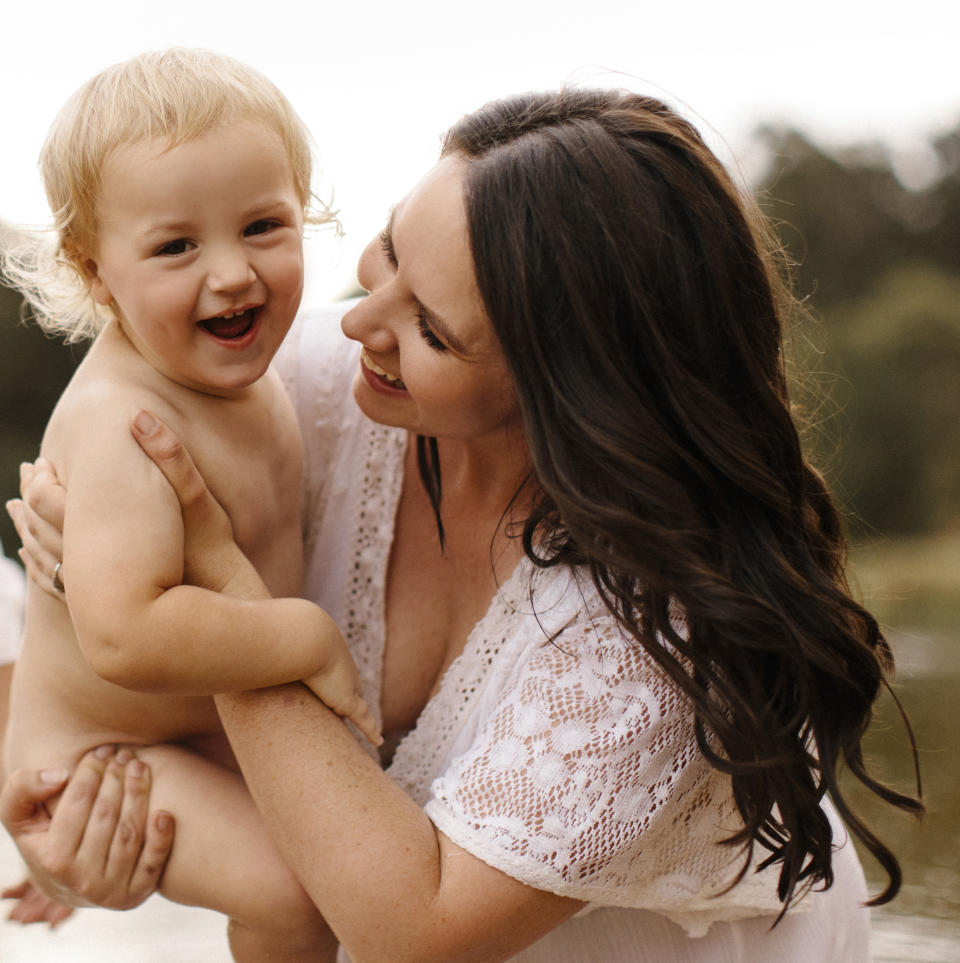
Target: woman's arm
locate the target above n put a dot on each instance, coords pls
(391, 886)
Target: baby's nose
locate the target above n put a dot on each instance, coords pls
(230, 271)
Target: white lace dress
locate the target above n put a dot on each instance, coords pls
(570, 765)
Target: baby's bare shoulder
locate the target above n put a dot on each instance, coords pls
(100, 402)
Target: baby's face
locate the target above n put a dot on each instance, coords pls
(200, 253)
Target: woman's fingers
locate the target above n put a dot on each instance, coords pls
(23, 796)
(38, 560)
(75, 808)
(106, 801)
(130, 828)
(211, 558)
(43, 494)
(140, 845)
(153, 857)
(166, 451)
(38, 517)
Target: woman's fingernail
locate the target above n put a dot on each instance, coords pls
(163, 822)
(136, 768)
(124, 756)
(103, 752)
(26, 469)
(53, 777)
(145, 423)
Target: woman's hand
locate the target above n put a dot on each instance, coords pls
(99, 848)
(38, 517)
(211, 558)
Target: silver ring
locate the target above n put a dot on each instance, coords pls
(58, 585)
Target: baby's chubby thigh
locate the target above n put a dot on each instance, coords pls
(222, 857)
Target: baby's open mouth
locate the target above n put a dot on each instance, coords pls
(231, 326)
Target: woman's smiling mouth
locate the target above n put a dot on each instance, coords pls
(391, 381)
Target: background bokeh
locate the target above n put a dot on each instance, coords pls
(845, 123)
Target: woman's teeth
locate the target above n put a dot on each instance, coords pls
(377, 370)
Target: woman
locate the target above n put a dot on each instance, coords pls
(584, 569)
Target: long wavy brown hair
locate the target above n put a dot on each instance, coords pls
(641, 306)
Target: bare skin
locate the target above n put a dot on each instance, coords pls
(353, 838)
(132, 655)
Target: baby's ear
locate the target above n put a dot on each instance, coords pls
(88, 269)
(98, 287)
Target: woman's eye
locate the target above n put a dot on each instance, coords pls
(426, 332)
(172, 248)
(260, 227)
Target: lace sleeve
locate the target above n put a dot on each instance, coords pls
(585, 780)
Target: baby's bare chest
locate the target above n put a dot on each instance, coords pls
(253, 466)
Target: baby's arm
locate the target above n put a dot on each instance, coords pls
(139, 627)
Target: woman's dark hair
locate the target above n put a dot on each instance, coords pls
(641, 311)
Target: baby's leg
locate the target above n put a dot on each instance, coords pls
(224, 860)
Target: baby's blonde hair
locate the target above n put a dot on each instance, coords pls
(178, 94)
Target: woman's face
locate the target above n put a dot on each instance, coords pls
(430, 360)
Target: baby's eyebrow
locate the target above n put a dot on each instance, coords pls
(165, 227)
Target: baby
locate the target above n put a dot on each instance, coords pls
(180, 182)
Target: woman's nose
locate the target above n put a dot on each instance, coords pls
(369, 323)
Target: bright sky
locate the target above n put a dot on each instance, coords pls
(377, 82)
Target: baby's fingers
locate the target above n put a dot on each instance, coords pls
(33, 906)
(363, 719)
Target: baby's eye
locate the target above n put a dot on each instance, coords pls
(172, 248)
(261, 227)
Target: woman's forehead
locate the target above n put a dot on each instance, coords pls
(430, 237)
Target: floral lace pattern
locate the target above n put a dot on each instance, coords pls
(569, 764)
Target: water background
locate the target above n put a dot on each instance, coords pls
(915, 589)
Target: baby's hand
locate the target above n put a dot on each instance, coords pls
(337, 686)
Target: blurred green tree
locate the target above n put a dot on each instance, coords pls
(34, 369)
(878, 265)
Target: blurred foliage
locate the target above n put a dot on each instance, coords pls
(879, 267)
(33, 371)
(878, 357)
